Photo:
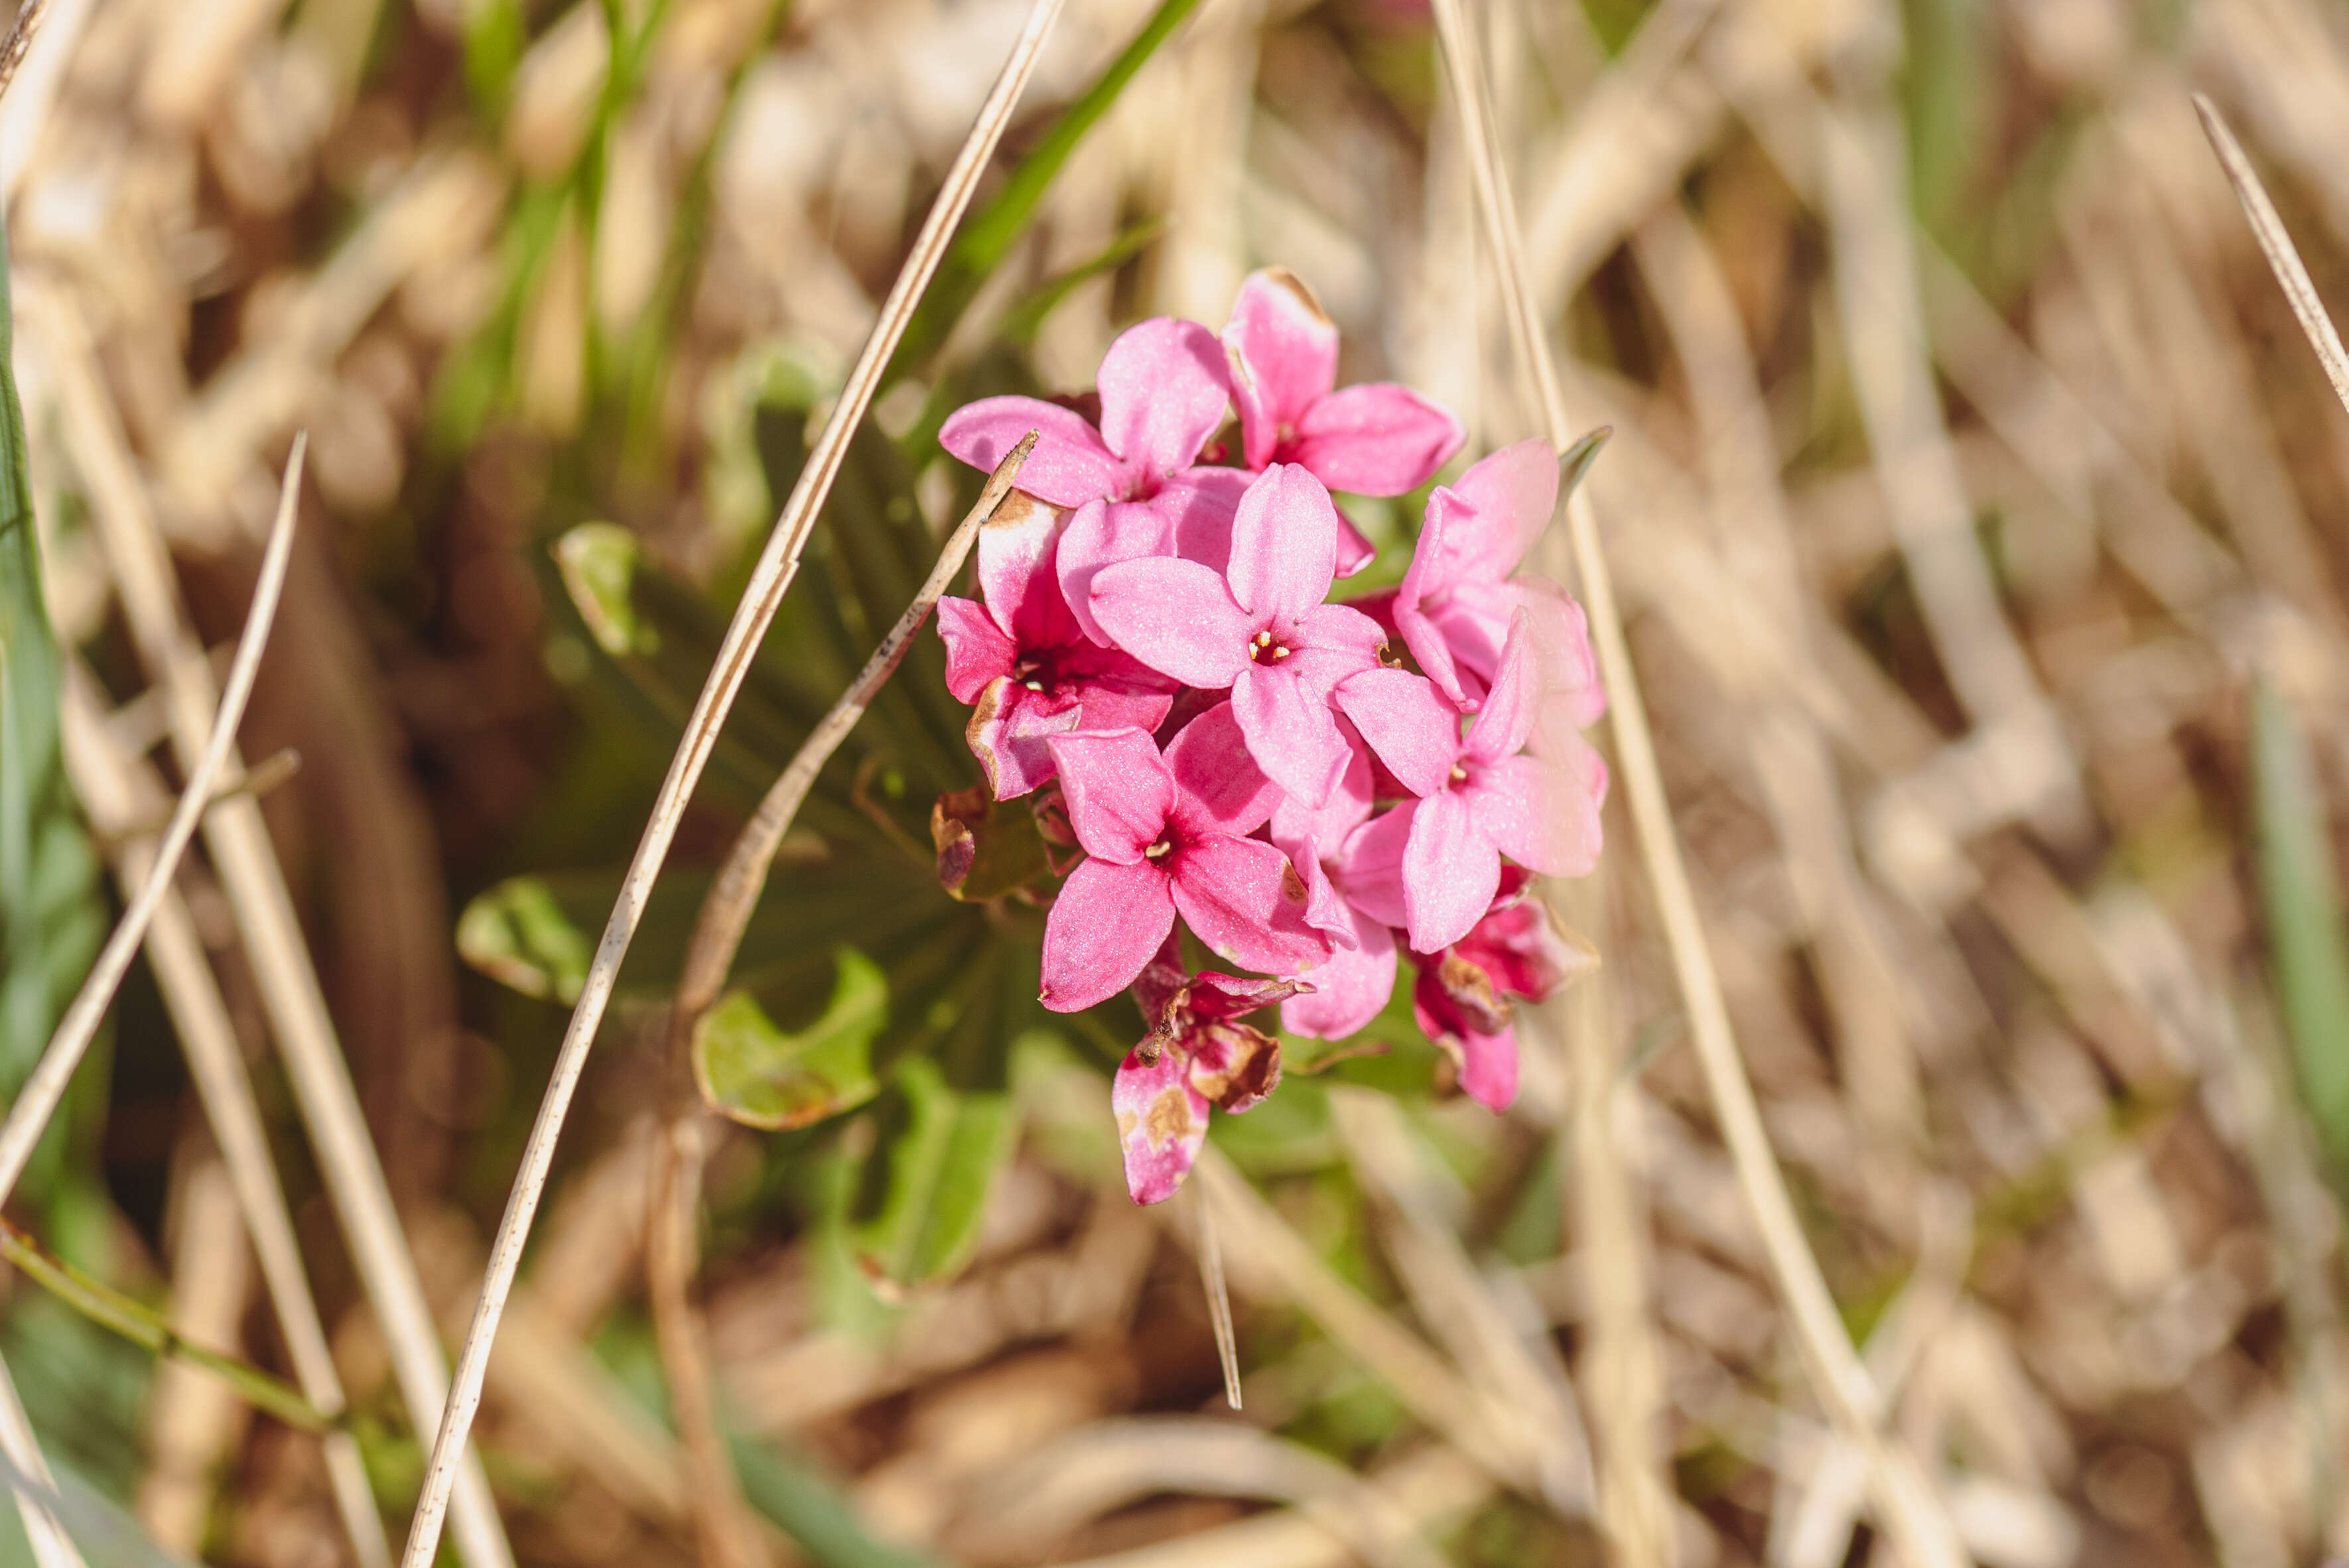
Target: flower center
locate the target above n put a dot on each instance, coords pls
(1264, 648)
(1039, 672)
(1459, 774)
(1159, 850)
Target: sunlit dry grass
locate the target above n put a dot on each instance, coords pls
(1969, 470)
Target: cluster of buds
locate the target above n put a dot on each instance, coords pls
(1155, 638)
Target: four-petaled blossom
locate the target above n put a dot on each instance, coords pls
(1433, 864)
(1260, 626)
(1461, 999)
(1197, 1054)
(1377, 438)
(1023, 664)
(1136, 481)
(1163, 834)
(1457, 597)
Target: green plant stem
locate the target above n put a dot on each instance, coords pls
(111, 1309)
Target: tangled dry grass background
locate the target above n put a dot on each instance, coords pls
(1969, 472)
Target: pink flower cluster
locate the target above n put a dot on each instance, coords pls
(1156, 641)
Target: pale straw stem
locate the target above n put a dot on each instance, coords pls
(46, 1086)
(778, 564)
(1909, 1511)
(29, 1478)
(109, 783)
(2283, 257)
(1219, 1297)
(315, 1069)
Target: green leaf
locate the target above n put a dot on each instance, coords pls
(535, 932)
(599, 562)
(50, 922)
(2308, 950)
(520, 935)
(987, 237)
(917, 1215)
(812, 1511)
(757, 1073)
(1575, 460)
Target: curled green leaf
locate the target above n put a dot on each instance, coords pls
(755, 1072)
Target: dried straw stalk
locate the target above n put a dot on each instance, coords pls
(1910, 1511)
(29, 1116)
(778, 564)
(721, 1523)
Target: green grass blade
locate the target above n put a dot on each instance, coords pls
(50, 922)
(988, 235)
(2308, 950)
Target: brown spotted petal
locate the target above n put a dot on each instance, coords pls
(986, 848)
(1234, 1065)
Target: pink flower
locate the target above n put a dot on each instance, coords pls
(1023, 664)
(1136, 481)
(1163, 834)
(1433, 864)
(1352, 988)
(1456, 599)
(1377, 438)
(1259, 626)
(1462, 1000)
(1196, 1054)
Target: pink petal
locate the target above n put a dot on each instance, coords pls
(1370, 865)
(1241, 898)
(1450, 870)
(1291, 731)
(976, 650)
(1517, 805)
(1104, 925)
(1163, 389)
(1175, 616)
(1118, 791)
(1325, 906)
(1216, 994)
(1378, 438)
(1017, 571)
(1162, 1122)
(1513, 704)
(1487, 1063)
(1198, 506)
(1407, 722)
(1069, 466)
(1010, 732)
(1284, 544)
(1314, 832)
(1101, 534)
(1350, 989)
(1561, 642)
(1498, 508)
(1425, 587)
(1355, 551)
(1219, 788)
(1539, 813)
(1342, 629)
(1288, 354)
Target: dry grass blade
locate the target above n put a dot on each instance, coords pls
(778, 564)
(19, 41)
(2282, 255)
(46, 1086)
(1219, 1297)
(719, 1518)
(725, 910)
(110, 787)
(34, 1487)
(316, 1069)
(1911, 1513)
